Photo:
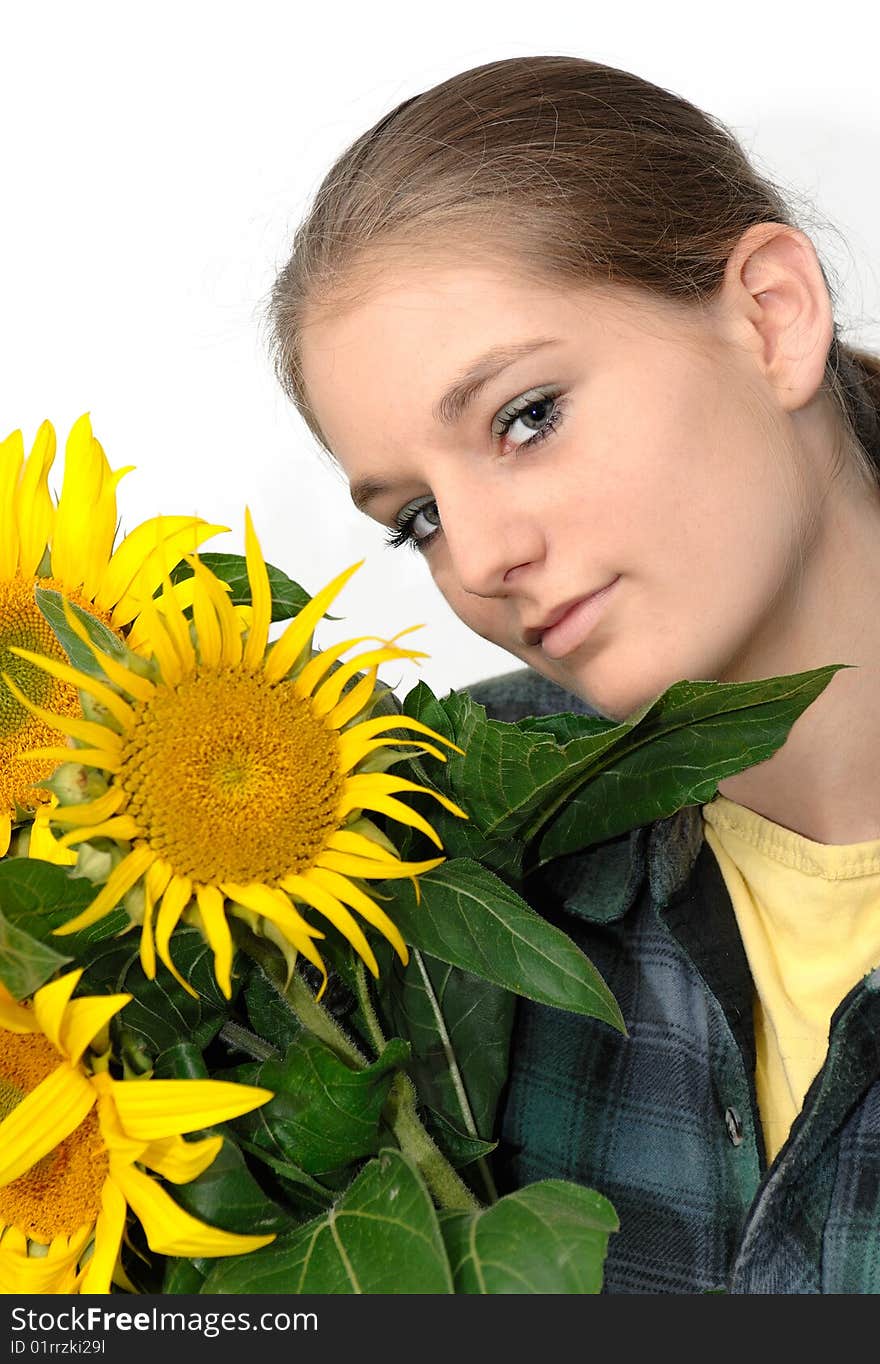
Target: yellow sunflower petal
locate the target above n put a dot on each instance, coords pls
(11, 461)
(109, 1230)
(87, 731)
(216, 930)
(352, 895)
(170, 1230)
(206, 623)
(120, 881)
(353, 702)
(266, 900)
(50, 1005)
(261, 596)
(175, 900)
(86, 757)
(306, 889)
(89, 812)
(84, 1019)
(150, 1110)
(380, 723)
(42, 844)
(171, 604)
(314, 670)
(395, 809)
(139, 562)
(349, 841)
(85, 520)
(328, 694)
(155, 883)
(275, 906)
(43, 1118)
(119, 827)
(388, 784)
(180, 1161)
(34, 507)
(141, 688)
(104, 695)
(349, 760)
(364, 868)
(213, 611)
(160, 644)
(5, 833)
(53, 1272)
(298, 633)
(15, 1017)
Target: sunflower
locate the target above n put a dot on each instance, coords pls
(236, 776)
(68, 547)
(74, 1141)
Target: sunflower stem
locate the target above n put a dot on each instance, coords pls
(455, 1073)
(447, 1187)
(317, 1020)
(242, 1039)
(370, 1017)
(401, 1107)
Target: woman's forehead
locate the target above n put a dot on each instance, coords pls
(423, 327)
(447, 311)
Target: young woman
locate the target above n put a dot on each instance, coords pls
(570, 347)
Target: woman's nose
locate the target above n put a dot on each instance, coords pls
(488, 538)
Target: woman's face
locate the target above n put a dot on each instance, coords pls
(606, 437)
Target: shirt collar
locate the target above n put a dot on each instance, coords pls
(602, 883)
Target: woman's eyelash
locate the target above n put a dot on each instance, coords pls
(533, 398)
(402, 533)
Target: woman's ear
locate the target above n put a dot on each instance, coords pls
(774, 300)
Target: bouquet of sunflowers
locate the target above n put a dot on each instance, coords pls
(263, 923)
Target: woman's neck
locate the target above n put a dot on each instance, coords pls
(824, 783)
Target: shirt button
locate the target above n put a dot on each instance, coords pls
(733, 1123)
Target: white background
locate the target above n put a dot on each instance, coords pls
(156, 158)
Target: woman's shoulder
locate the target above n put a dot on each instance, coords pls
(513, 695)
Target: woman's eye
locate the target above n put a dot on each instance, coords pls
(408, 531)
(538, 412)
(531, 416)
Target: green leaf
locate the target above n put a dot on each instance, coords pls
(39, 897)
(549, 1237)
(472, 919)
(182, 1061)
(324, 1115)
(381, 1236)
(25, 962)
(575, 780)
(458, 1147)
(161, 1012)
(679, 748)
(459, 838)
(459, 1027)
(183, 1276)
(306, 1188)
(288, 598)
(507, 775)
(269, 1013)
(226, 1195)
(50, 603)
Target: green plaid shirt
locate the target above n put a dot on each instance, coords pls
(664, 1122)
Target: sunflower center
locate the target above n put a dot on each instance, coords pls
(62, 1192)
(231, 778)
(24, 626)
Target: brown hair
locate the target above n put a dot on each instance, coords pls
(586, 172)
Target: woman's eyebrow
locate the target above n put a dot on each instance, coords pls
(465, 388)
(457, 398)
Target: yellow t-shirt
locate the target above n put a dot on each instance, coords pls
(809, 918)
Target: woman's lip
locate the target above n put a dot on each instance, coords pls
(576, 624)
